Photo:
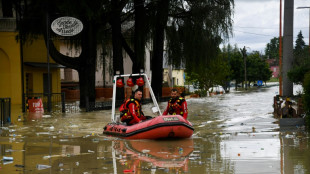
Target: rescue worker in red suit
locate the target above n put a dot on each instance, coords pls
(176, 105)
(131, 110)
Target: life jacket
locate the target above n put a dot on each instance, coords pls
(124, 109)
(175, 106)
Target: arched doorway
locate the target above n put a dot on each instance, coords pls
(5, 75)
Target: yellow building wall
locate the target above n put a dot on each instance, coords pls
(35, 51)
(10, 67)
(37, 74)
(179, 77)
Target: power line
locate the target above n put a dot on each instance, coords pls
(269, 28)
(254, 33)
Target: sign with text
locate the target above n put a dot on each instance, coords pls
(171, 119)
(67, 26)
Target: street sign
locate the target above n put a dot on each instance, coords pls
(259, 83)
(67, 26)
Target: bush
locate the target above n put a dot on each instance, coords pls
(202, 93)
(306, 97)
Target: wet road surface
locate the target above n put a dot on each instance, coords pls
(234, 133)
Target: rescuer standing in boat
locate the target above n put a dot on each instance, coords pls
(131, 110)
(176, 105)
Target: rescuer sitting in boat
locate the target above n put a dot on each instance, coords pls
(176, 105)
(131, 110)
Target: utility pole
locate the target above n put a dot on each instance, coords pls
(288, 46)
(280, 52)
(243, 51)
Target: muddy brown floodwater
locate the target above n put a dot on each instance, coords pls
(234, 133)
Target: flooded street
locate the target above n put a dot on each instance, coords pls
(234, 133)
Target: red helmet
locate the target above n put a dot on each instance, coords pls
(140, 81)
(119, 83)
(130, 82)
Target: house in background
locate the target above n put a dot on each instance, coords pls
(274, 67)
(173, 76)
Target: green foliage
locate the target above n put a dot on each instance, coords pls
(301, 64)
(216, 73)
(306, 96)
(196, 30)
(236, 63)
(257, 68)
(297, 74)
(299, 44)
(272, 49)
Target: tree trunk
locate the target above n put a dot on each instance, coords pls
(117, 46)
(85, 64)
(87, 68)
(139, 36)
(158, 46)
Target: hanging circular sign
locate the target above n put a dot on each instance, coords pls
(67, 26)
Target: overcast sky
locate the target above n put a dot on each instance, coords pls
(257, 21)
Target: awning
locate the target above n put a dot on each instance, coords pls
(43, 65)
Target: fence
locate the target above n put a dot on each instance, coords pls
(57, 101)
(59, 105)
(5, 110)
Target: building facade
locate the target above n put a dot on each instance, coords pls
(23, 67)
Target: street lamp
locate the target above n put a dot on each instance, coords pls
(309, 22)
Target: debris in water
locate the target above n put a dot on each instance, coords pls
(7, 158)
(41, 166)
(128, 171)
(90, 151)
(73, 126)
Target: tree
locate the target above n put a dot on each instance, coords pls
(190, 27)
(272, 49)
(306, 96)
(257, 68)
(95, 17)
(237, 66)
(161, 18)
(299, 44)
(301, 64)
(216, 73)
(154, 20)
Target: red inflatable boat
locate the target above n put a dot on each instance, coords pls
(169, 126)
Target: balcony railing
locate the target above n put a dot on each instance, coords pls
(7, 24)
